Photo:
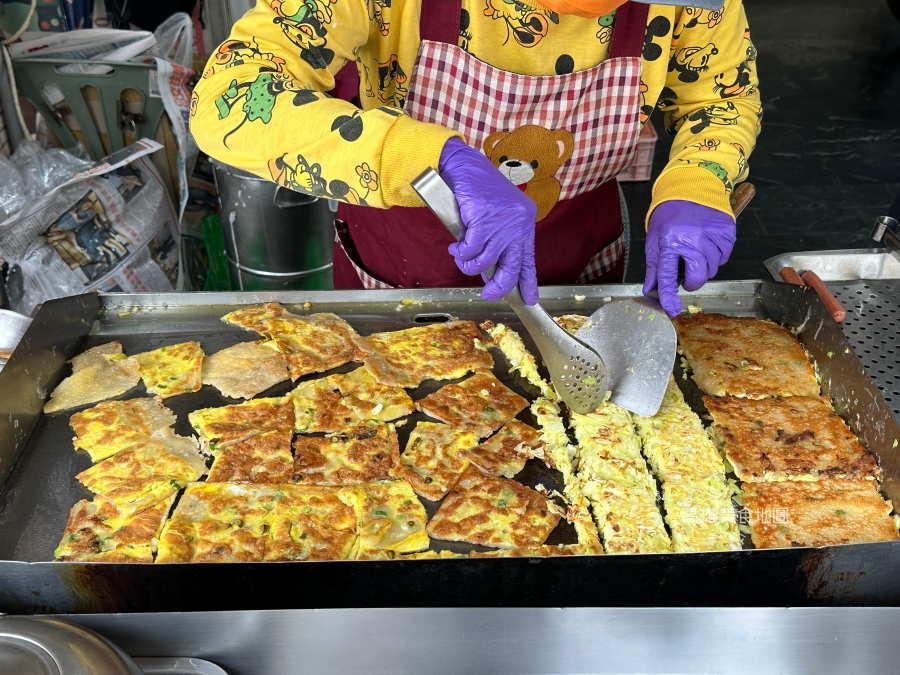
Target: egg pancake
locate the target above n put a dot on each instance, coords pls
(523, 362)
(700, 515)
(250, 317)
(235, 422)
(145, 473)
(571, 322)
(312, 344)
(561, 453)
(744, 357)
(544, 551)
(98, 374)
(219, 522)
(615, 479)
(494, 512)
(320, 408)
(822, 513)
(245, 369)
(794, 438)
(357, 455)
(114, 425)
(675, 442)
(431, 461)
(440, 351)
(505, 453)
(264, 458)
(173, 369)
(481, 404)
(389, 516)
(311, 523)
(369, 399)
(96, 531)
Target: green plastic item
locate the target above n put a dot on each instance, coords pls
(217, 278)
(32, 75)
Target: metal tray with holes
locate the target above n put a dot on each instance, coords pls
(38, 465)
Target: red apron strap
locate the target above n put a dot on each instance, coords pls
(628, 30)
(439, 21)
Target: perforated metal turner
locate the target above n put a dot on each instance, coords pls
(577, 371)
(637, 342)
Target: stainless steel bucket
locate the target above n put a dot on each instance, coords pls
(275, 239)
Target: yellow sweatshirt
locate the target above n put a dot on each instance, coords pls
(259, 104)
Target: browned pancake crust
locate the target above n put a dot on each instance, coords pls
(244, 419)
(97, 528)
(114, 425)
(357, 455)
(822, 513)
(442, 351)
(264, 458)
(505, 453)
(481, 404)
(745, 357)
(250, 317)
(431, 461)
(314, 343)
(794, 437)
(222, 522)
(571, 322)
(494, 512)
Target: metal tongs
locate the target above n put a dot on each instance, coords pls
(577, 371)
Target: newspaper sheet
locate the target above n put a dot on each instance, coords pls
(114, 230)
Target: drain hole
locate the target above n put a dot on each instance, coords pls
(432, 318)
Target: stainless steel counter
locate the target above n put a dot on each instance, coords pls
(525, 640)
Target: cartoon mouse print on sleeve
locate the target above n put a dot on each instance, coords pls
(256, 98)
(657, 28)
(392, 79)
(691, 61)
(722, 114)
(529, 157)
(739, 83)
(303, 23)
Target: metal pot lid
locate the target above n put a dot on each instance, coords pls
(44, 646)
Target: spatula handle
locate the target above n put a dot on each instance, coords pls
(438, 197)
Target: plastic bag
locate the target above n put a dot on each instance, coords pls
(12, 189)
(175, 39)
(44, 170)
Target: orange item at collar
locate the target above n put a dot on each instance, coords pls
(587, 9)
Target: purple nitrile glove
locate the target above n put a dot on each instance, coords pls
(682, 230)
(499, 220)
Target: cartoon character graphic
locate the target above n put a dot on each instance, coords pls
(742, 161)
(722, 114)
(528, 26)
(529, 157)
(302, 22)
(691, 61)
(377, 12)
(658, 27)
(710, 18)
(392, 81)
(297, 174)
(604, 34)
(740, 86)
(237, 53)
(646, 110)
(258, 98)
(707, 144)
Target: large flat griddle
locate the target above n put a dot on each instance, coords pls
(38, 467)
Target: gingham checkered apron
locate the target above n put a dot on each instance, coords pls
(600, 107)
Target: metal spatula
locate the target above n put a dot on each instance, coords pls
(637, 342)
(577, 371)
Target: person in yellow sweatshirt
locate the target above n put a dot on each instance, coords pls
(528, 110)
